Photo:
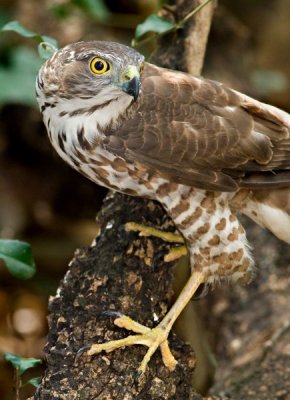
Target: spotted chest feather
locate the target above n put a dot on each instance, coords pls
(216, 240)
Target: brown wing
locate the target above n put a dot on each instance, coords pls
(201, 133)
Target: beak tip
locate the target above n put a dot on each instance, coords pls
(132, 87)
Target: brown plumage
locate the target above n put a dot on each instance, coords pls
(204, 151)
(202, 134)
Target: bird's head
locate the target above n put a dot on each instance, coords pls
(100, 70)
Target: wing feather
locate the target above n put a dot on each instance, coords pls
(201, 133)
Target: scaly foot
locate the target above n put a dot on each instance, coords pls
(156, 337)
(152, 338)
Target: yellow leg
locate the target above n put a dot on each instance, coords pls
(153, 338)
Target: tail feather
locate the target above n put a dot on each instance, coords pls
(271, 209)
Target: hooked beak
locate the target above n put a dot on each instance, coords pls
(131, 82)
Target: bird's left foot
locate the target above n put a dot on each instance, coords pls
(155, 337)
(152, 338)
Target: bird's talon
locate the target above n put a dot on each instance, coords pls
(111, 313)
(80, 352)
(83, 349)
(137, 374)
(201, 292)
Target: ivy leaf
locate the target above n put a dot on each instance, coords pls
(34, 382)
(23, 62)
(153, 24)
(46, 50)
(17, 257)
(20, 363)
(15, 26)
(96, 8)
(269, 81)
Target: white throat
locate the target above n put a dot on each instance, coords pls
(69, 117)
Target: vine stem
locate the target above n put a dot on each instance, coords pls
(191, 14)
(17, 383)
(178, 25)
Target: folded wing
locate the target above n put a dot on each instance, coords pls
(199, 132)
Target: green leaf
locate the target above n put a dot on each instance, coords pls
(269, 81)
(153, 24)
(18, 78)
(20, 363)
(34, 382)
(15, 26)
(46, 50)
(17, 257)
(61, 11)
(96, 8)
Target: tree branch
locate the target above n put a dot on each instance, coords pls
(184, 49)
(124, 273)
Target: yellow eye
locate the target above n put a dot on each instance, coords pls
(99, 66)
(141, 68)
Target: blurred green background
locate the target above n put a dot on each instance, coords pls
(45, 202)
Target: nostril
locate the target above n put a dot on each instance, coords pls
(127, 78)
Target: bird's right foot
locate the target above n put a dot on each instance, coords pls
(174, 253)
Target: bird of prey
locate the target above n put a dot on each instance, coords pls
(204, 151)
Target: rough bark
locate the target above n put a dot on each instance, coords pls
(123, 273)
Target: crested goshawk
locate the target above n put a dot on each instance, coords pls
(204, 151)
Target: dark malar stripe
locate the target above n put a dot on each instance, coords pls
(100, 106)
(87, 111)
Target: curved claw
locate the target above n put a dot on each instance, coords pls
(111, 313)
(81, 351)
(201, 292)
(137, 374)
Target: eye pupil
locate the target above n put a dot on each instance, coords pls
(99, 65)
